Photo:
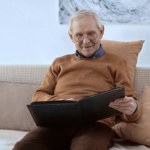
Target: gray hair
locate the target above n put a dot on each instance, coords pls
(83, 13)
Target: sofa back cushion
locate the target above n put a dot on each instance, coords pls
(13, 100)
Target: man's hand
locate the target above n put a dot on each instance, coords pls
(126, 105)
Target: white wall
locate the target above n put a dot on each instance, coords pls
(30, 33)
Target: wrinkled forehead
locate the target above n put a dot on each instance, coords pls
(84, 24)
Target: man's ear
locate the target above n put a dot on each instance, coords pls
(102, 31)
(71, 37)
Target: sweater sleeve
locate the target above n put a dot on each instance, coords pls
(122, 78)
(45, 91)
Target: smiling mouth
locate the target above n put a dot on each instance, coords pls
(87, 47)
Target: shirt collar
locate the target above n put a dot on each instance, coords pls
(98, 53)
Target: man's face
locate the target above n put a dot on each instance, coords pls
(86, 35)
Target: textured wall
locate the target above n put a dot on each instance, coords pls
(110, 11)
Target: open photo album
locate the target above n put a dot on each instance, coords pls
(70, 112)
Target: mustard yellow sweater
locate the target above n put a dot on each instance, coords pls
(72, 77)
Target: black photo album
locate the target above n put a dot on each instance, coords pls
(70, 112)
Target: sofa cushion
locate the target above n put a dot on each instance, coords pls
(128, 51)
(8, 138)
(140, 131)
(13, 100)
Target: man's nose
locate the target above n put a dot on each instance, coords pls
(85, 39)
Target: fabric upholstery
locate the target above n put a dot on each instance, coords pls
(13, 100)
(142, 78)
(23, 73)
(8, 138)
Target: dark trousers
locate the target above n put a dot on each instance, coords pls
(93, 137)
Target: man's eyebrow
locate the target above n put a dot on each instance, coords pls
(85, 32)
(79, 33)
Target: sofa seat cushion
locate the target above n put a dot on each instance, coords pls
(8, 138)
(124, 145)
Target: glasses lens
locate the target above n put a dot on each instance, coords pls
(91, 36)
(78, 37)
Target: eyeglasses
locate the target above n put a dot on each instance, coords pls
(90, 35)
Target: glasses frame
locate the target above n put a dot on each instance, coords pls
(79, 37)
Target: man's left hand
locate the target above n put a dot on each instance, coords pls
(126, 105)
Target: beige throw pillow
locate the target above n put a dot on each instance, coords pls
(126, 50)
(138, 132)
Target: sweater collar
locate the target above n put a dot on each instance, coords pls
(98, 53)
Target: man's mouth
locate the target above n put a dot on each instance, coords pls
(87, 47)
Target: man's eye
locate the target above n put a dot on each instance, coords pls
(91, 33)
(79, 35)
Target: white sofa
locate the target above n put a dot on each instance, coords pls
(17, 83)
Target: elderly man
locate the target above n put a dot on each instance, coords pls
(88, 71)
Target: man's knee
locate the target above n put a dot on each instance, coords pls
(86, 143)
(19, 146)
(96, 138)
